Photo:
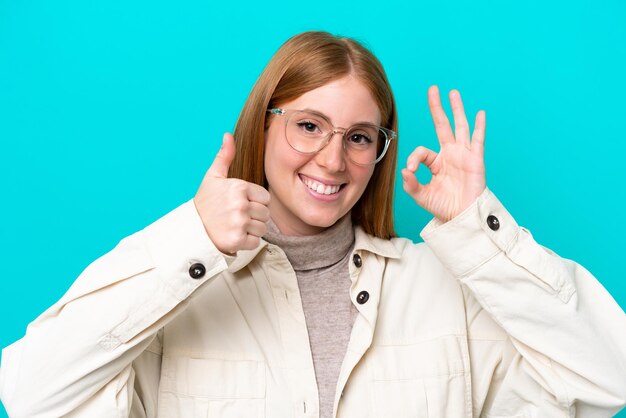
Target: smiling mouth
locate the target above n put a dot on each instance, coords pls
(321, 188)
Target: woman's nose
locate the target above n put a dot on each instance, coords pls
(333, 155)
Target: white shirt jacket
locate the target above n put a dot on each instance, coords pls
(479, 320)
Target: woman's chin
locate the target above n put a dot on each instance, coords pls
(321, 221)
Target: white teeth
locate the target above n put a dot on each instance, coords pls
(321, 188)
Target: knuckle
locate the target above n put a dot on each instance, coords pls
(241, 219)
(240, 206)
(417, 154)
(250, 242)
(254, 241)
(263, 195)
(238, 239)
(238, 185)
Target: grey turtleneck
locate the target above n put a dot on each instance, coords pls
(321, 266)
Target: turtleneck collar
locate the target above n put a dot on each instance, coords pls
(314, 251)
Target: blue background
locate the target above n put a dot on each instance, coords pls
(111, 112)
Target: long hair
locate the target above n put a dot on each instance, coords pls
(303, 63)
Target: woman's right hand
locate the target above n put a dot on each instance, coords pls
(233, 211)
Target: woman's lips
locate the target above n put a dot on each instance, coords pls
(322, 190)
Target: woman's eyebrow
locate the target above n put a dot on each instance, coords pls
(317, 112)
(323, 115)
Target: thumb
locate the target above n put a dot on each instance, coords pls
(224, 158)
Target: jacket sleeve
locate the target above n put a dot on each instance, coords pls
(76, 359)
(563, 345)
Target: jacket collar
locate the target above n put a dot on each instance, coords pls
(362, 241)
(378, 246)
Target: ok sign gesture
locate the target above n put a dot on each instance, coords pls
(458, 170)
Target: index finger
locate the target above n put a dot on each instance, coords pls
(442, 125)
(258, 194)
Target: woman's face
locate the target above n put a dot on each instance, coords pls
(295, 207)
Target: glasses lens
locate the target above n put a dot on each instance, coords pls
(306, 132)
(365, 143)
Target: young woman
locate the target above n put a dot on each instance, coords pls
(280, 289)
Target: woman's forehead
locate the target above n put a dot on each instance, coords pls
(344, 102)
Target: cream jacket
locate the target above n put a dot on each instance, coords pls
(479, 320)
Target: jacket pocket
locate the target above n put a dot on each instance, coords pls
(207, 388)
(422, 379)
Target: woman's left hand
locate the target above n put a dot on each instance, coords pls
(458, 170)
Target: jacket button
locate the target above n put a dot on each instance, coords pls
(356, 259)
(493, 222)
(362, 297)
(196, 271)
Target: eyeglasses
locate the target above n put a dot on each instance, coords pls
(309, 132)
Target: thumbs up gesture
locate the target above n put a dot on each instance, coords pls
(233, 211)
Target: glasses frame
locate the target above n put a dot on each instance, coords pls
(389, 134)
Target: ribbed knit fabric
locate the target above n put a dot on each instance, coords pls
(321, 266)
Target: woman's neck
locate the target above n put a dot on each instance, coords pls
(314, 251)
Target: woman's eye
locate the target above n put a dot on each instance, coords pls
(308, 126)
(359, 139)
